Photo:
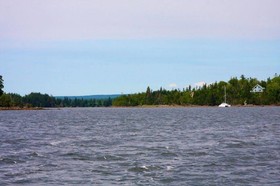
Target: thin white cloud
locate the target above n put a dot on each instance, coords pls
(200, 84)
(95, 19)
(172, 85)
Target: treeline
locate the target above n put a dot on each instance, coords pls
(238, 93)
(44, 100)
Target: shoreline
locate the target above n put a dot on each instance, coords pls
(142, 106)
(190, 106)
(19, 108)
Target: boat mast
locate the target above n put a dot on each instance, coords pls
(225, 94)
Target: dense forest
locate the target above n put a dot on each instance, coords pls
(45, 100)
(239, 92)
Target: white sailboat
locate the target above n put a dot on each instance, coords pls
(224, 104)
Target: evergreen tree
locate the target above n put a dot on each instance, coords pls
(238, 92)
(148, 99)
(1, 85)
(5, 100)
(273, 90)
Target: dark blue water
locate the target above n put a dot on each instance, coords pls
(137, 146)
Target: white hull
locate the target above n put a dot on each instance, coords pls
(224, 105)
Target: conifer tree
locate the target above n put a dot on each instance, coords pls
(1, 85)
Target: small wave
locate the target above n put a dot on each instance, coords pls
(8, 160)
(240, 144)
(169, 154)
(197, 154)
(77, 156)
(138, 169)
(109, 158)
(144, 168)
(62, 141)
(101, 158)
(169, 168)
(55, 143)
(13, 159)
(167, 180)
(35, 154)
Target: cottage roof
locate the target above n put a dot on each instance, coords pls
(257, 88)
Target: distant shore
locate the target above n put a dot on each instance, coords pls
(189, 106)
(192, 106)
(139, 106)
(22, 108)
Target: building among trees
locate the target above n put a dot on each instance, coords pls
(257, 89)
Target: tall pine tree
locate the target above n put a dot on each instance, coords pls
(1, 85)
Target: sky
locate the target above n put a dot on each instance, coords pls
(85, 47)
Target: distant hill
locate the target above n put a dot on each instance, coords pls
(97, 97)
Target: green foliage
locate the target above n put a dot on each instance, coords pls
(238, 93)
(44, 100)
(5, 100)
(39, 100)
(273, 90)
(16, 100)
(67, 102)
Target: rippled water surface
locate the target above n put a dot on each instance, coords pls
(141, 146)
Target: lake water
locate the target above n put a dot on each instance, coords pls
(141, 146)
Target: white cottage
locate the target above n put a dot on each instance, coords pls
(257, 89)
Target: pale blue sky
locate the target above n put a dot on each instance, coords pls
(107, 47)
